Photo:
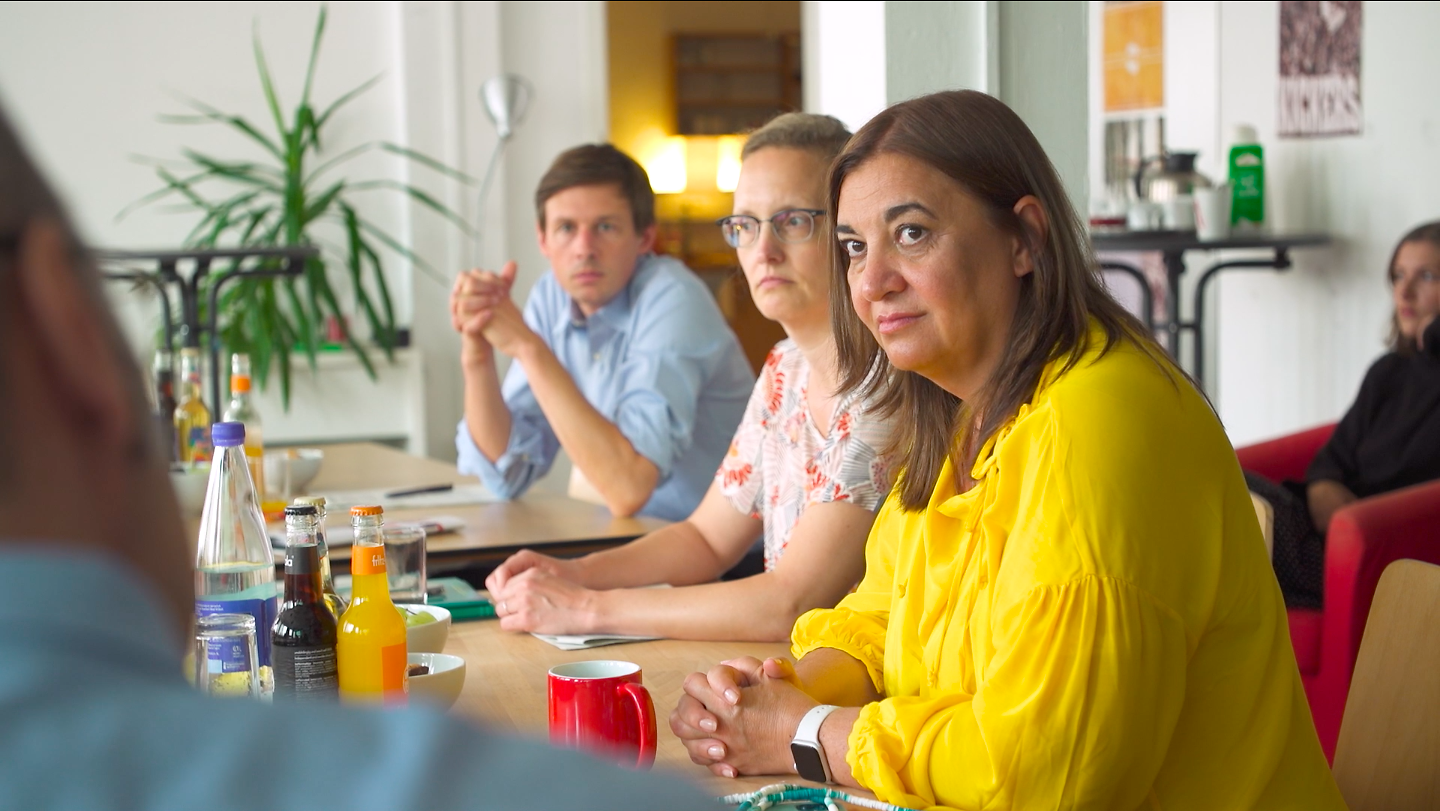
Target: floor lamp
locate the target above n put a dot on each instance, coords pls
(506, 98)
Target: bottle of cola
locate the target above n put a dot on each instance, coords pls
(304, 634)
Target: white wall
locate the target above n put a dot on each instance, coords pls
(940, 46)
(1294, 346)
(85, 81)
(844, 51)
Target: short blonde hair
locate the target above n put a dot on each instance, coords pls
(823, 135)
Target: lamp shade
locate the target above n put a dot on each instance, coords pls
(506, 98)
(727, 161)
(667, 166)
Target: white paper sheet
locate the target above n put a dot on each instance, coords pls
(587, 641)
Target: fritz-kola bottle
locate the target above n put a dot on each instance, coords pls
(372, 633)
(304, 634)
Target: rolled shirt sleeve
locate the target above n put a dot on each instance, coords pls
(533, 444)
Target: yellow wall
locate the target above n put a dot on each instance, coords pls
(642, 105)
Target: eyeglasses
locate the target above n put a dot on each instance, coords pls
(791, 226)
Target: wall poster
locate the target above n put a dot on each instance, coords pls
(1319, 68)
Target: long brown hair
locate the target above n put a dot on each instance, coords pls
(1429, 232)
(983, 145)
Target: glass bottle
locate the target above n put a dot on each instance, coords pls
(327, 582)
(192, 416)
(304, 634)
(242, 409)
(234, 567)
(371, 647)
(163, 373)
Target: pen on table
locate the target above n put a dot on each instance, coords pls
(434, 488)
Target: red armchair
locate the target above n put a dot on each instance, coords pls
(1364, 538)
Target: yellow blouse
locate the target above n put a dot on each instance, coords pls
(1095, 624)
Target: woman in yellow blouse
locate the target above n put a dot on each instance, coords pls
(1067, 601)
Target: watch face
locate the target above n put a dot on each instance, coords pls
(807, 762)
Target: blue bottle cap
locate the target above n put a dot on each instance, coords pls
(227, 434)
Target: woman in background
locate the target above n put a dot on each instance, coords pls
(803, 471)
(1390, 437)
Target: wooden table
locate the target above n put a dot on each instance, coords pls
(505, 687)
(555, 523)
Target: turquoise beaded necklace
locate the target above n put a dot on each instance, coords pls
(803, 798)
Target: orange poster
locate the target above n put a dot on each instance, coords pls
(1134, 55)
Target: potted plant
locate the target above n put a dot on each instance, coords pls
(282, 199)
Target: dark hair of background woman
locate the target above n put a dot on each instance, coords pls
(1429, 232)
(984, 146)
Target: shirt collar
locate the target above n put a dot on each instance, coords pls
(616, 312)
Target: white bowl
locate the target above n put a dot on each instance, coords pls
(430, 637)
(189, 483)
(304, 467)
(441, 686)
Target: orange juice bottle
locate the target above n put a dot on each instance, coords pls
(371, 646)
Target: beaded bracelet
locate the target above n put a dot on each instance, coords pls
(804, 798)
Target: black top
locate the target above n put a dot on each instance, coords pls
(1171, 241)
(1390, 437)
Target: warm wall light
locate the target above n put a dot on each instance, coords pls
(666, 166)
(727, 162)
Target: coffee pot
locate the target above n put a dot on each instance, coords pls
(1168, 176)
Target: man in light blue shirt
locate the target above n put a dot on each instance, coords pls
(96, 596)
(621, 357)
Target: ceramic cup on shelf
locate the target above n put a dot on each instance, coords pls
(1212, 212)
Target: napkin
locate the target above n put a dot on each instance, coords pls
(587, 641)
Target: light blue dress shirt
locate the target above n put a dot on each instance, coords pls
(95, 714)
(658, 361)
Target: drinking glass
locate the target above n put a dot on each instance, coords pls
(405, 562)
(226, 661)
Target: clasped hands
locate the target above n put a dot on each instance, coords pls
(484, 314)
(739, 717)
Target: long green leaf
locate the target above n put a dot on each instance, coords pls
(383, 288)
(257, 174)
(169, 189)
(420, 197)
(394, 245)
(329, 296)
(321, 204)
(314, 55)
(339, 159)
(357, 253)
(208, 113)
(306, 326)
(268, 85)
(345, 99)
(429, 162)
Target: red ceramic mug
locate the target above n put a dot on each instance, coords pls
(602, 707)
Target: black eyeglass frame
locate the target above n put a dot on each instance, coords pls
(813, 214)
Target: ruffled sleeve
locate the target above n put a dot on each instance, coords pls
(1096, 648)
(857, 625)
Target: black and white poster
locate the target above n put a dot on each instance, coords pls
(1319, 68)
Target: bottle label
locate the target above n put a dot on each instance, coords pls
(264, 612)
(365, 559)
(199, 444)
(394, 683)
(227, 655)
(306, 673)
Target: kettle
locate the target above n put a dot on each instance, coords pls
(1168, 176)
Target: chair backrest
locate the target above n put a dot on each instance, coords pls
(1388, 754)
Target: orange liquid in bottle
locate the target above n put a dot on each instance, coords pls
(370, 651)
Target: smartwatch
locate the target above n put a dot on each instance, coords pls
(805, 747)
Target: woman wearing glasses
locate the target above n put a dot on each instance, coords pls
(804, 472)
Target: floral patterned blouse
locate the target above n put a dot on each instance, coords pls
(779, 463)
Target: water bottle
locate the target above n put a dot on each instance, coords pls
(234, 567)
